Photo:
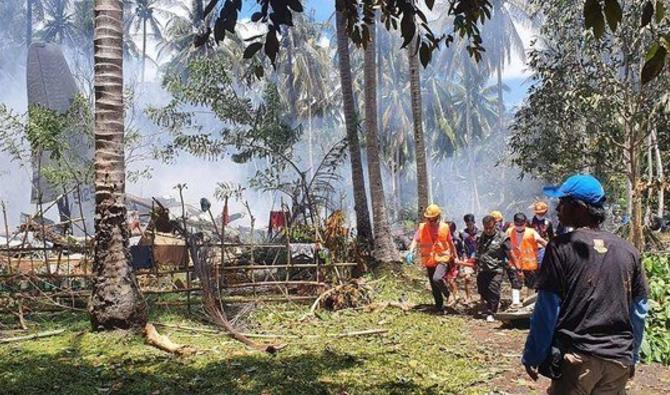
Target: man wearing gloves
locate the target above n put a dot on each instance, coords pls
(588, 321)
(436, 250)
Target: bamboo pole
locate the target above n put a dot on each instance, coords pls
(4, 218)
(181, 188)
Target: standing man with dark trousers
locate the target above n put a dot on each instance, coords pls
(436, 250)
(493, 247)
(589, 316)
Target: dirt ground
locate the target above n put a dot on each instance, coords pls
(511, 378)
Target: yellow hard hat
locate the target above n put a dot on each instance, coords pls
(432, 211)
(540, 208)
(497, 215)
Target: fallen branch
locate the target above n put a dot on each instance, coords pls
(162, 342)
(361, 333)
(278, 336)
(33, 336)
(188, 328)
(404, 306)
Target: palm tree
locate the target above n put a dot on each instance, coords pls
(417, 116)
(474, 105)
(58, 26)
(144, 18)
(363, 228)
(34, 12)
(503, 40)
(306, 75)
(116, 301)
(180, 33)
(384, 248)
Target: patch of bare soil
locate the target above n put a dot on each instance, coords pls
(509, 376)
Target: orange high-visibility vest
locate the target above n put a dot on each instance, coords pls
(524, 252)
(434, 252)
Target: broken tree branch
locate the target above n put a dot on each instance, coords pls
(33, 336)
(162, 342)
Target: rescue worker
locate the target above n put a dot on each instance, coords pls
(436, 250)
(542, 226)
(525, 244)
(512, 273)
(493, 247)
(453, 268)
(588, 321)
(497, 215)
(468, 239)
(540, 222)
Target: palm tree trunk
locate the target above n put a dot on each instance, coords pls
(292, 95)
(29, 22)
(198, 10)
(116, 301)
(470, 146)
(501, 104)
(144, 46)
(363, 227)
(419, 144)
(310, 140)
(385, 250)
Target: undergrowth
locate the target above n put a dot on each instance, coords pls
(656, 344)
(420, 353)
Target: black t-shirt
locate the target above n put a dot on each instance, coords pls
(543, 227)
(597, 276)
(491, 251)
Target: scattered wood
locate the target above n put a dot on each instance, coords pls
(362, 333)
(33, 336)
(188, 328)
(381, 306)
(162, 342)
(22, 321)
(279, 336)
(352, 294)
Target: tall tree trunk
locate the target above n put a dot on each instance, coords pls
(633, 166)
(659, 174)
(419, 144)
(363, 227)
(29, 22)
(116, 301)
(385, 250)
(501, 103)
(650, 177)
(310, 140)
(292, 94)
(198, 10)
(470, 148)
(380, 82)
(144, 46)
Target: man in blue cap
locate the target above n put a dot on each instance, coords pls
(588, 322)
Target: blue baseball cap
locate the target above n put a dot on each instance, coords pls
(581, 186)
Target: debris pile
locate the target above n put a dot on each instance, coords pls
(355, 293)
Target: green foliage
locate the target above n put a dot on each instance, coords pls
(656, 344)
(421, 353)
(578, 104)
(242, 131)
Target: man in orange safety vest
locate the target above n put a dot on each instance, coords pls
(436, 250)
(525, 243)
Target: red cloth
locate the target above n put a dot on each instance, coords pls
(452, 272)
(277, 220)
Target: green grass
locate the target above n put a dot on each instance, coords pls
(421, 353)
